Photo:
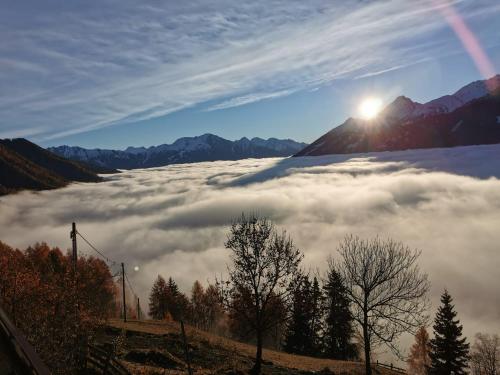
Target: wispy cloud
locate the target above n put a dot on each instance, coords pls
(247, 99)
(77, 67)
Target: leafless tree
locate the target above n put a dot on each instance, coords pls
(485, 357)
(387, 290)
(264, 269)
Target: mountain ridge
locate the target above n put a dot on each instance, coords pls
(206, 147)
(469, 116)
(24, 165)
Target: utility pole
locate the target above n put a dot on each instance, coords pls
(138, 309)
(77, 352)
(123, 288)
(73, 240)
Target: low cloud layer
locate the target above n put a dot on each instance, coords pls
(174, 220)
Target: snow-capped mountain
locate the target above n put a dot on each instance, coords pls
(207, 147)
(404, 108)
(467, 117)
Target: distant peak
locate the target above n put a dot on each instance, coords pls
(402, 99)
(400, 107)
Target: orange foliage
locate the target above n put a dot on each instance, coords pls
(419, 361)
(54, 310)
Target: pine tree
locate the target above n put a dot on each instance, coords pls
(298, 337)
(419, 360)
(177, 302)
(338, 332)
(157, 299)
(316, 315)
(303, 330)
(165, 300)
(449, 351)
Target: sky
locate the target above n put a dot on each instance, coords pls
(174, 220)
(118, 73)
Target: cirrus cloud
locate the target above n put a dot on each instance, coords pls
(76, 67)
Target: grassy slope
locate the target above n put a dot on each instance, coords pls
(24, 165)
(66, 169)
(17, 172)
(230, 350)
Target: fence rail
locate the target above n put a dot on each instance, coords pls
(390, 366)
(22, 352)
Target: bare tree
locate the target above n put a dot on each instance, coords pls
(386, 289)
(264, 269)
(485, 357)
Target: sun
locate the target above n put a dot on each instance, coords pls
(370, 107)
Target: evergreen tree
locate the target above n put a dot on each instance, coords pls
(303, 330)
(157, 299)
(449, 351)
(338, 332)
(298, 337)
(177, 302)
(316, 316)
(166, 299)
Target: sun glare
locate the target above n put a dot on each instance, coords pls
(370, 107)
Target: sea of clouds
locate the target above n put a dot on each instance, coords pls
(174, 220)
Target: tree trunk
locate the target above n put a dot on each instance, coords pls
(258, 356)
(368, 365)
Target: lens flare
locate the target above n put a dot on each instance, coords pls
(468, 40)
(370, 107)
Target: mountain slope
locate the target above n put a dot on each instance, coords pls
(48, 160)
(207, 147)
(470, 116)
(24, 165)
(17, 173)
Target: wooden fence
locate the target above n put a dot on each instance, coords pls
(390, 366)
(19, 352)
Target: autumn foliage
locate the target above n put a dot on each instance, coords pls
(56, 311)
(419, 360)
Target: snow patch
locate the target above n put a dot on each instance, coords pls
(457, 125)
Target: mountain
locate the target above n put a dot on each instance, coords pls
(24, 165)
(470, 116)
(207, 147)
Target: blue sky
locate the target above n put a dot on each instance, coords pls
(117, 73)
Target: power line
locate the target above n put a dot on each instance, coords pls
(97, 251)
(111, 263)
(130, 285)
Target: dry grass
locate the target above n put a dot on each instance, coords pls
(277, 358)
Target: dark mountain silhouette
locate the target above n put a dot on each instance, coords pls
(471, 116)
(207, 147)
(24, 165)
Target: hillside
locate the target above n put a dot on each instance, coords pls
(24, 165)
(207, 147)
(471, 116)
(155, 346)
